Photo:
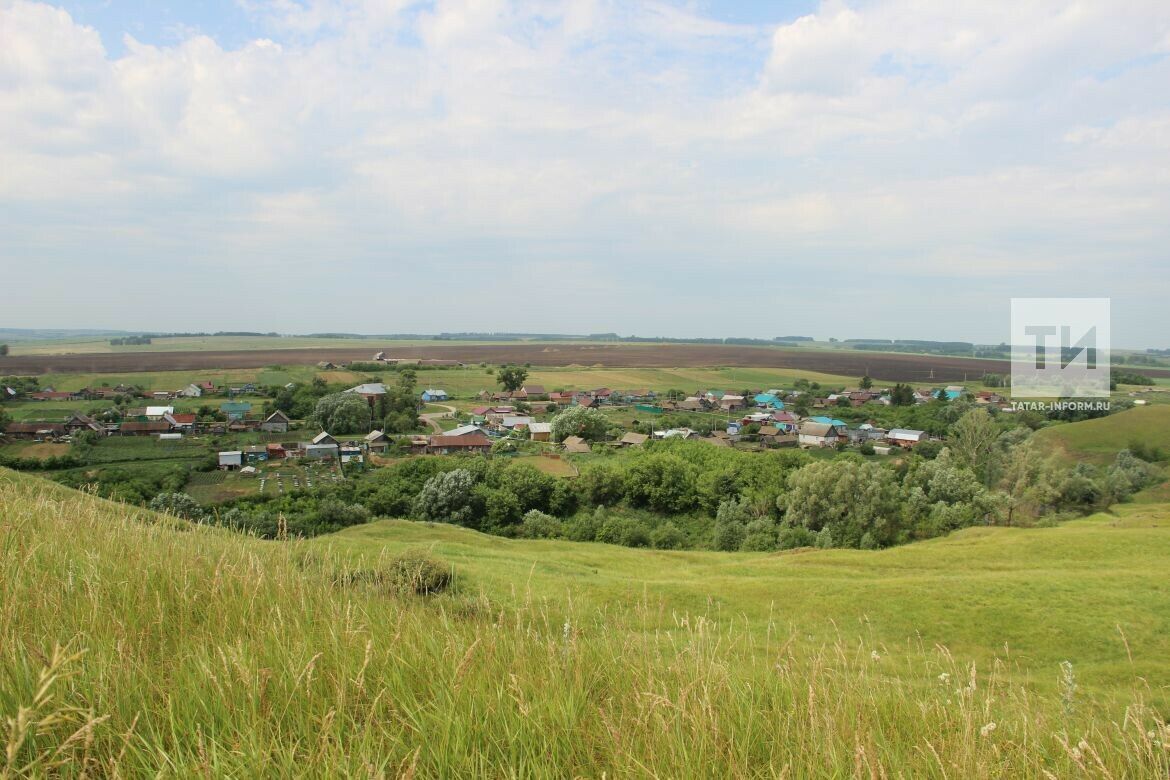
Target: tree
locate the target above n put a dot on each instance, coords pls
(865, 382)
(342, 413)
(582, 421)
(3, 350)
(902, 395)
(730, 526)
(662, 482)
(4, 420)
(973, 440)
(446, 498)
(511, 378)
(944, 494)
(848, 496)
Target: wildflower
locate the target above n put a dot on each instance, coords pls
(1068, 685)
(874, 656)
(987, 729)
(944, 678)
(567, 631)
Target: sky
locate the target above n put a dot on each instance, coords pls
(893, 169)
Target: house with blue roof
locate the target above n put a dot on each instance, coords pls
(431, 394)
(827, 421)
(769, 401)
(236, 410)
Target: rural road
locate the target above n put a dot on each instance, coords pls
(431, 419)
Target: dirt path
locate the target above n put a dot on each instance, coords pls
(432, 418)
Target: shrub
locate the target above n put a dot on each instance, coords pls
(729, 536)
(760, 536)
(178, 505)
(795, 536)
(538, 525)
(625, 531)
(667, 537)
(417, 571)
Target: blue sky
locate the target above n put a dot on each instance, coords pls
(892, 169)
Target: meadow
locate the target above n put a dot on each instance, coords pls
(133, 644)
(1099, 440)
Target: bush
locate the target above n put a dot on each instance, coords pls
(625, 531)
(795, 536)
(667, 537)
(178, 505)
(825, 538)
(417, 571)
(538, 525)
(729, 536)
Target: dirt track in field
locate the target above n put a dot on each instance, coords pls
(885, 366)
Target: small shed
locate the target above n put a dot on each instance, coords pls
(231, 459)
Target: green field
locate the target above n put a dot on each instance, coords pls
(1099, 440)
(196, 651)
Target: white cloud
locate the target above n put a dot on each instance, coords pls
(604, 136)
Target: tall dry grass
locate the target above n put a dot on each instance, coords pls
(132, 645)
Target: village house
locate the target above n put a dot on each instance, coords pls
(377, 441)
(515, 421)
(235, 410)
(464, 430)
(693, 404)
(633, 439)
(785, 421)
(275, 451)
(52, 395)
(181, 422)
(190, 391)
(371, 391)
(432, 394)
(575, 444)
(905, 437)
(532, 392)
(277, 422)
(147, 428)
(473, 443)
(78, 422)
(540, 431)
(676, 433)
(322, 450)
(324, 438)
(731, 403)
(818, 434)
(34, 430)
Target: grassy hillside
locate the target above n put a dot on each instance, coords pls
(1099, 440)
(130, 644)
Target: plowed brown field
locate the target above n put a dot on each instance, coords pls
(885, 366)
